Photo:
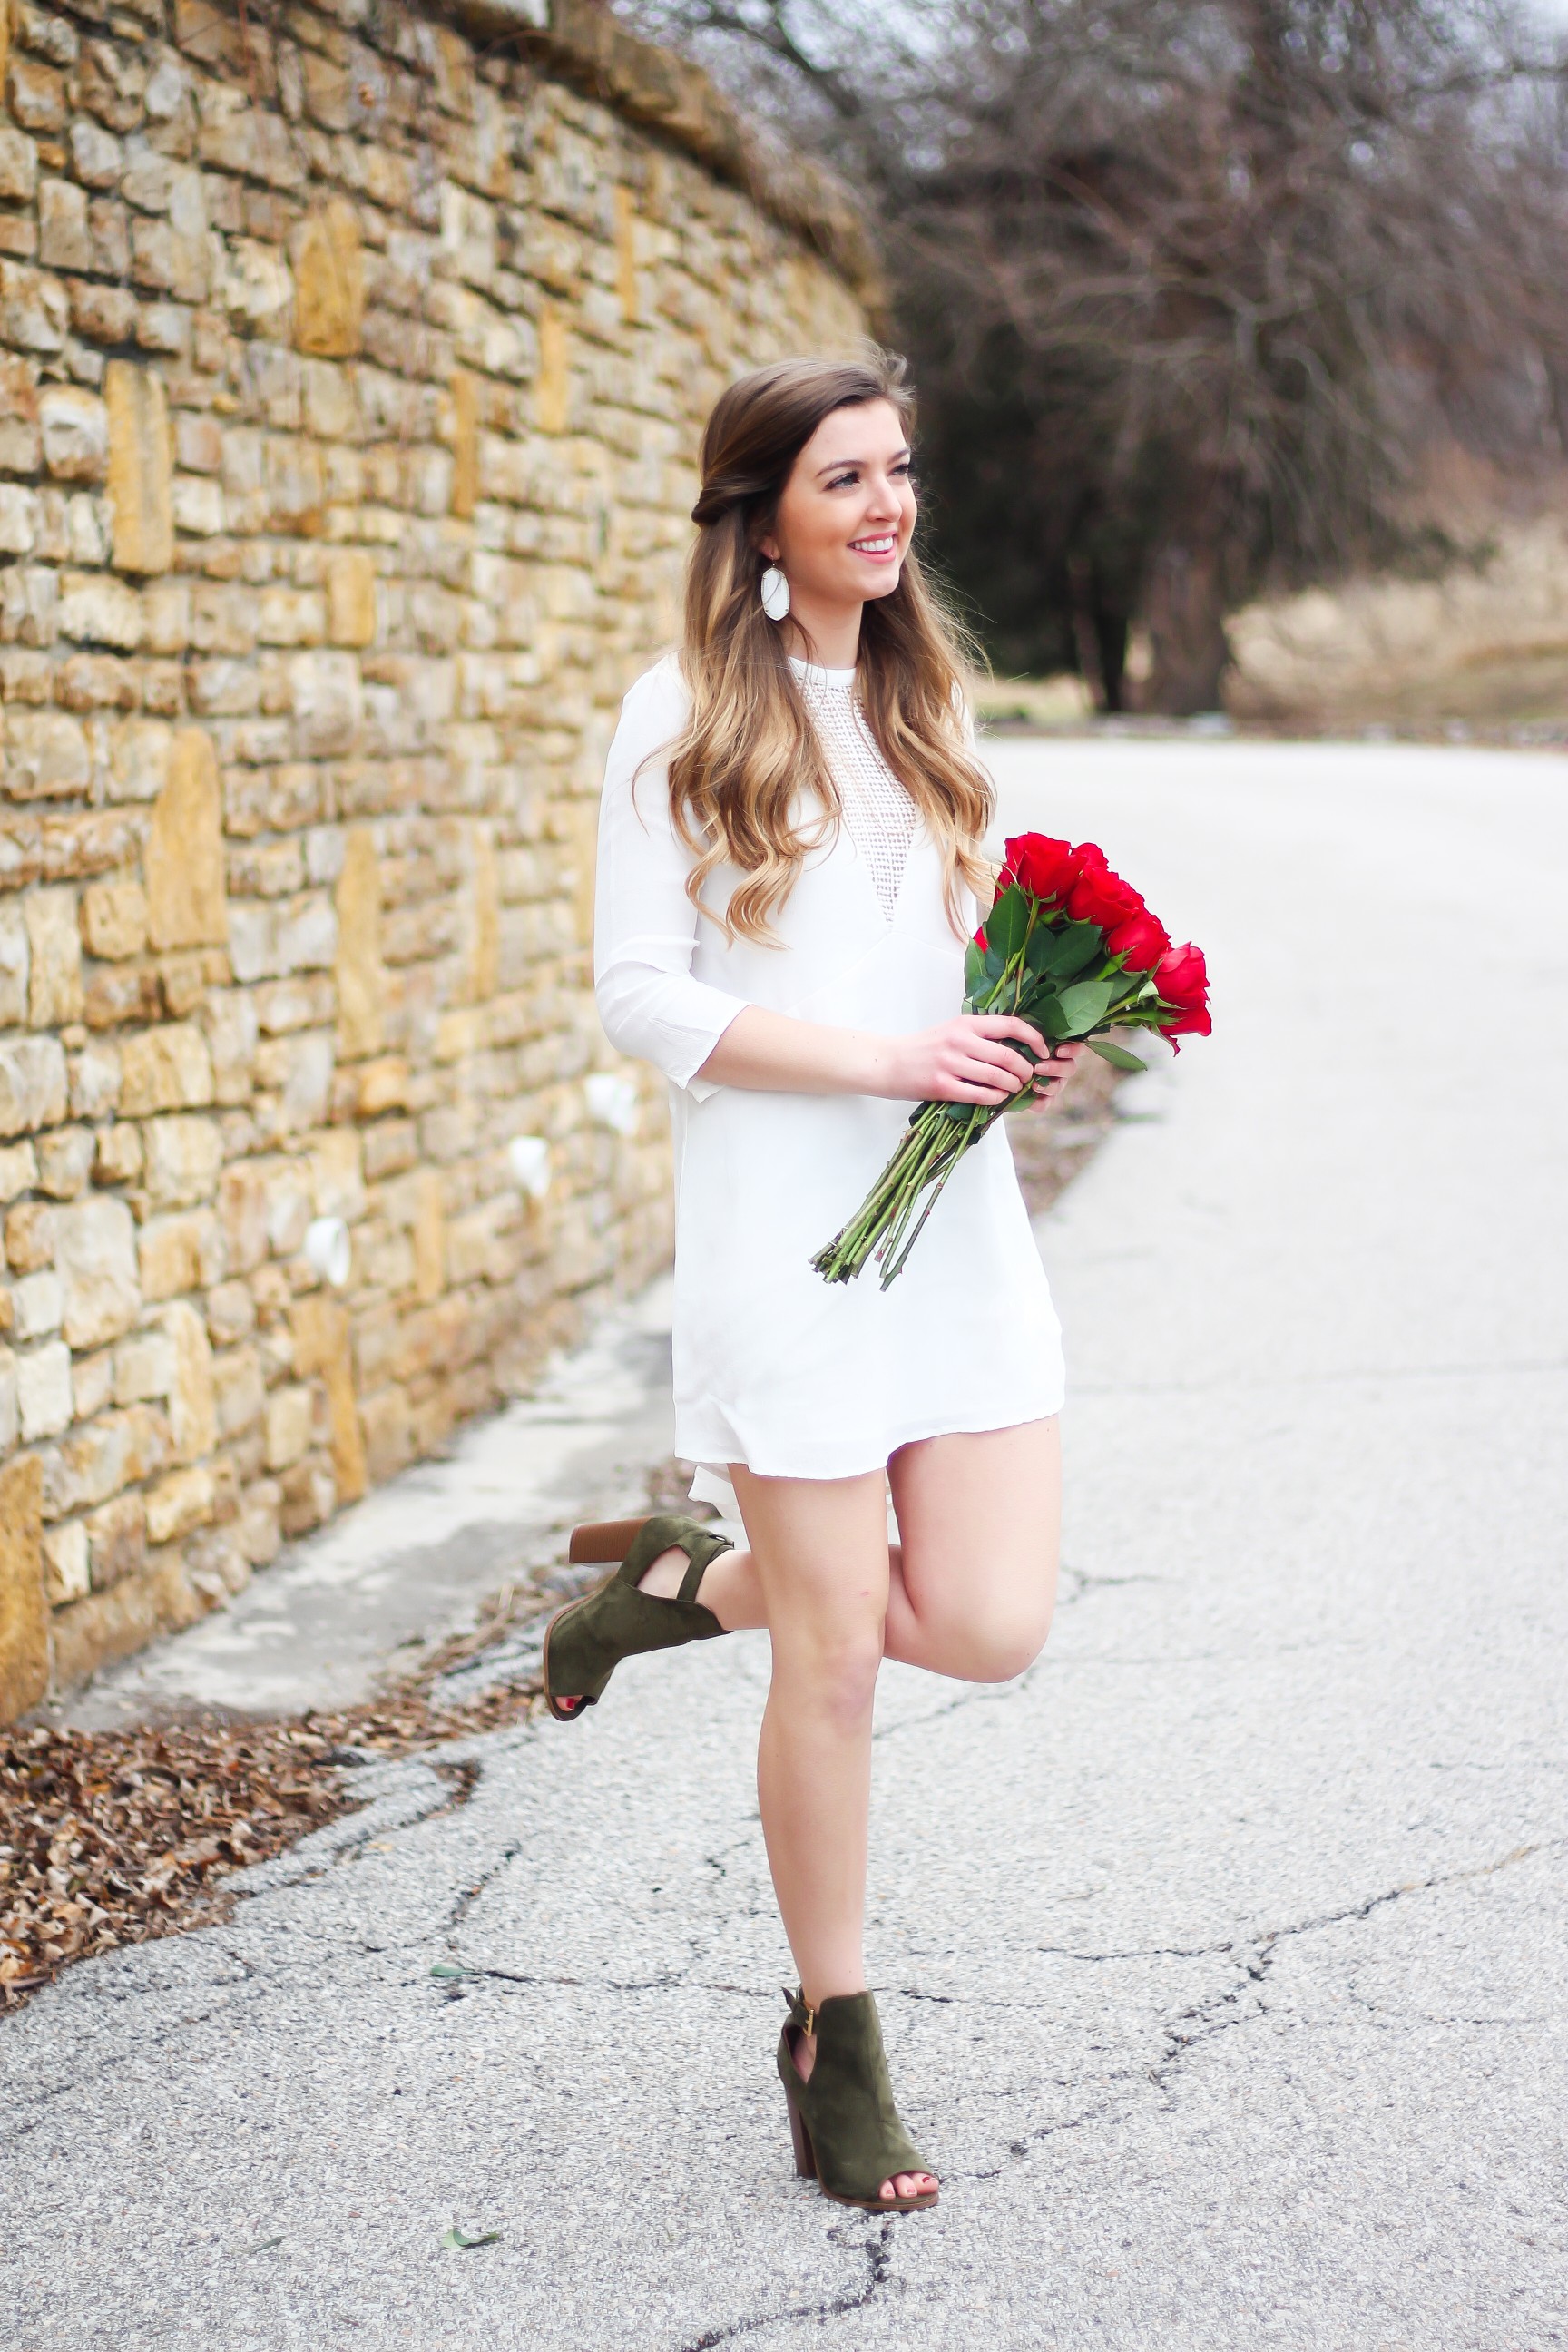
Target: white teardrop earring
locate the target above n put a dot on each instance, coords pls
(776, 593)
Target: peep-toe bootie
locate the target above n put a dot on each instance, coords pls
(585, 1642)
(847, 2132)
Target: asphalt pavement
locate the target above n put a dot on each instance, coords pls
(1222, 1958)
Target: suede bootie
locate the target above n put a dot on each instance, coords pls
(585, 1642)
(846, 2129)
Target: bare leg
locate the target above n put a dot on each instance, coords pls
(973, 1584)
(820, 1550)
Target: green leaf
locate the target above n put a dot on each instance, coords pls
(450, 1969)
(1117, 1056)
(1007, 922)
(1082, 1006)
(459, 2241)
(973, 969)
(1072, 947)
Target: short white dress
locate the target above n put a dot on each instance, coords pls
(794, 1377)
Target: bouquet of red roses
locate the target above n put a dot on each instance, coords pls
(1068, 946)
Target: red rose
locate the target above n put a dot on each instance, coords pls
(1044, 867)
(1141, 939)
(1183, 980)
(1100, 896)
(980, 939)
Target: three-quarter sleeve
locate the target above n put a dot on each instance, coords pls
(644, 926)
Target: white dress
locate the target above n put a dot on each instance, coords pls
(774, 1368)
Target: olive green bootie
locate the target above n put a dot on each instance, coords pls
(847, 2132)
(585, 1642)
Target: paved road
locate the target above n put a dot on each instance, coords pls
(1224, 1955)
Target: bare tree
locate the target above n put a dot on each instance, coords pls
(1195, 290)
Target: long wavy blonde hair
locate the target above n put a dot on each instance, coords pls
(749, 752)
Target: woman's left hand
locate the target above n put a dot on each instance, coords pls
(1051, 1077)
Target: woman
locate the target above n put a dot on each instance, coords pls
(788, 863)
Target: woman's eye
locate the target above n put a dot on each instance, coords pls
(843, 481)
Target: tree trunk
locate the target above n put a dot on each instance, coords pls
(1185, 608)
(1100, 636)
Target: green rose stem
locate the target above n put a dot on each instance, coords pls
(939, 1134)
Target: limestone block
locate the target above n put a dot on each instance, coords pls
(465, 490)
(32, 1085)
(46, 755)
(76, 429)
(180, 1501)
(193, 1407)
(96, 156)
(12, 964)
(95, 1256)
(322, 1345)
(94, 1078)
(18, 163)
(34, 310)
(18, 1170)
(229, 1018)
(67, 1574)
(44, 1391)
(30, 1235)
(337, 1182)
(114, 919)
(185, 903)
(19, 520)
(63, 240)
(285, 1426)
(626, 254)
(182, 1158)
(139, 755)
(329, 282)
(361, 979)
(24, 1611)
(143, 1367)
(552, 385)
(351, 598)
(38, 1302)
(54, 959)
(198, 505)
(180, 1253)
(19, 439)
(65, 1161)
(326, 695)
(240, 1399)
(92, 1382)
(429, 1236)
(139, 469)
(165, 1069)
(231, 1313)
(95, 609)
(115, 1540)
(119, 1153)
(383, 1086)
(243, 1203)
(483, 976)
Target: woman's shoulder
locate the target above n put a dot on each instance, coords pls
(660, 700)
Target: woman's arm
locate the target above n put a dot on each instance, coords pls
(963, 1060)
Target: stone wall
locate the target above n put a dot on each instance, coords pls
(351, 370)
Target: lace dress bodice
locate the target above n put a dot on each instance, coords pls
(878, 814)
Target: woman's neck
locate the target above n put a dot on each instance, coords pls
(828, 634)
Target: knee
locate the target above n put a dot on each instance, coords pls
(835, 1675)
(997, 1645)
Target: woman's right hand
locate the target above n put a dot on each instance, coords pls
(967, 1060)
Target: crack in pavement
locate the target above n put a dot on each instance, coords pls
(878, 2252)
(1223, 2013)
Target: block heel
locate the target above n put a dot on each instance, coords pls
(585, 1642)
